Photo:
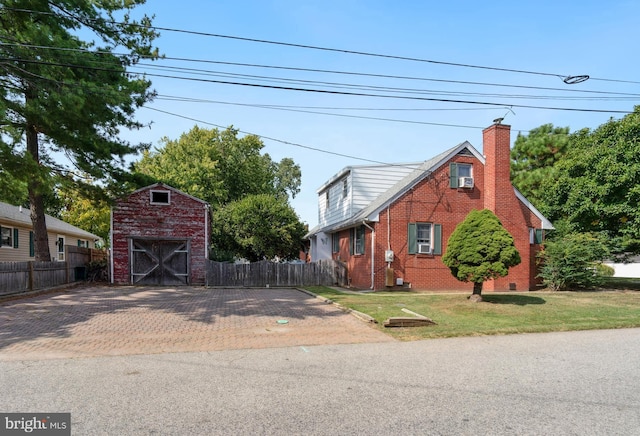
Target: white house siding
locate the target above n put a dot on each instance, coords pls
(364, 184)
(369, 182)
(20, 254)
(321, 247)
(627, 270)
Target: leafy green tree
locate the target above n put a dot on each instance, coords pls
(257, 227)
(480, 249)
(91, 215)
(219, 167)
(61, 94)
(573, 261)
(596, 187)
(533, 159)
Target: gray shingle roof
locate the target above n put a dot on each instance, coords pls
(20, 217)
(370, 212)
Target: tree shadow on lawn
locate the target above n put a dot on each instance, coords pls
(519, 300)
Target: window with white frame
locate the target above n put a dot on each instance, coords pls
(335, 242)
(7, 236)
(423, 238)
(160, 197)
(83, 243)
(464, 170)
(345, 188)
(457, 171)
(326, 199)
(357, 240)
(60, 244)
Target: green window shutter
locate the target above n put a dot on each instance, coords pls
(453, 175)
(79, 243)
(32, 248)
(15, 238)
(437, 239)
(351, 240)
(412, 238)
(539, 236)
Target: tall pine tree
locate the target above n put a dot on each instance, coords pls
(67, 95)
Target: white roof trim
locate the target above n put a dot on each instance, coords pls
(546, 224)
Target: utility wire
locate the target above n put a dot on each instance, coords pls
(627, 96)
(361, 94)
(565, 77)
(274, 139)
(314, 70)
(343, 115)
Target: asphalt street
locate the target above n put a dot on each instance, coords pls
(575, 383)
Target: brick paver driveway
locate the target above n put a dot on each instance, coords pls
(97, 321)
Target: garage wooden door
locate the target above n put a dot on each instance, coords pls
(159, 262)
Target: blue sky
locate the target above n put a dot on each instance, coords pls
(558, 38)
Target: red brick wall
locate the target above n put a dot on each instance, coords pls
(433, 201)
(183, 218)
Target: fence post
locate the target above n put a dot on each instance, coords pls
(30, 279)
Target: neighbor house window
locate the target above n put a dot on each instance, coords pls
(7, 236)
(345, 188)
(160, 197)
(335, 242)
(60, 245)
(83, 243)
(326, 199)
(357, 240)
(424, 238)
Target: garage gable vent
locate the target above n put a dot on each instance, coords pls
(160, 197)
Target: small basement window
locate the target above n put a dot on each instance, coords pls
(160, 197)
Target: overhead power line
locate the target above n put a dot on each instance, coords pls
(357, 94)
(316, 70)
(567, 78)
(273, 139)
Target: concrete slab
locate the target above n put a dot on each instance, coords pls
(102, 321)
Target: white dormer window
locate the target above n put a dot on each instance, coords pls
(160, 197)
(345, 188)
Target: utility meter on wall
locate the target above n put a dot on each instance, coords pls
(388, 256)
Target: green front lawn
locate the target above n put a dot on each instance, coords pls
(500, 313)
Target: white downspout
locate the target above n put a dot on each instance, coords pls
(373, 252)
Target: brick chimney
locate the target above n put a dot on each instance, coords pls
(499, 196)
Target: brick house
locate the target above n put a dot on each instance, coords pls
(390, 223)
(159, 236)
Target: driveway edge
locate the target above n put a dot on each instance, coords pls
(361, 316)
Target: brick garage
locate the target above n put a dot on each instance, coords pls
(159, 236)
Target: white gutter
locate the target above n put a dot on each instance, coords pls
(373, 252)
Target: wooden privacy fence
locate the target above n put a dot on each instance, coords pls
(19, 277)
(263, 274)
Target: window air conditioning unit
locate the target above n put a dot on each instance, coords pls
(424, 248)
(466, 182)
